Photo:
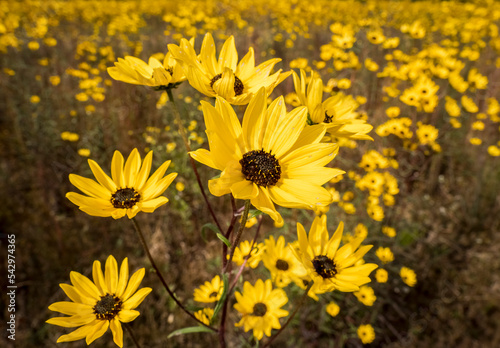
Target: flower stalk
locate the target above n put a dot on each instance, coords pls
(160, 276)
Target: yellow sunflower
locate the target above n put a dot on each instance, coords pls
(242, 251)
(164, 75)
(330, 267)
(281, 262)
(127, 192)
(260, 306)
(337, 113)
(225, 77)
(210, 291)
(104, 303)
(269, 159)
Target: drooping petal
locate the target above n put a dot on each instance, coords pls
(100, 327)
(116, 329)
(78, 334)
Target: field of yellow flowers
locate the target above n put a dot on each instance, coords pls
(214, 173)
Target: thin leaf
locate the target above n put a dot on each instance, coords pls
(209, 226)
(253, 213)
(188, 330)
(224, 239)
(222, 299)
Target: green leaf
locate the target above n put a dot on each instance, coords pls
(254, 213)
(188, 330)
(209, 226)
(218, 307)
(224, 239)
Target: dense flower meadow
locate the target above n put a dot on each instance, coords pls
(254, 173)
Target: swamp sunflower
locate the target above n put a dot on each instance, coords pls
(330, 267)
(270, 158)
(106, 302)
(225, 77)
(127, 192)
(260, 306)
(168, 74)
(337, 113)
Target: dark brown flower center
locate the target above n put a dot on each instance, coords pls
(214, 294)
(324, 266)
(261, 168)
(125, 198)
(238, 85)
(259, 309)
(282, 265)
(328, 118)
(107, 307)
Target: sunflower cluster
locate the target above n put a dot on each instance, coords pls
(422, 79)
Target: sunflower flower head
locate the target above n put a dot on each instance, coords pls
(106, 302)
(225, 77)
(128, 190)
(330, 267)
(337, 113)
(160, 75)
(210, 291)
(281, 262)
(270, 158)
(260, 306)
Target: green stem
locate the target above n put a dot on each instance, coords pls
(301, 302)
(160, 276)
(184, 136)
(236, 241)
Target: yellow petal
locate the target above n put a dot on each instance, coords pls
(97, 331)
(136, 299)
(123, 278)
(151, 205)
(126, 316)
(116, 329)
(83, 285)
(90, 187)
(99, 278)
(117, 169)
(133, 284)
(111, 274)
(224, 86)
(102, 178)
(244, 190)
(71, 308)
(132, 168)
(254, 121)
(228, 56)
(246, 66)
(74, 321)
(153, 191)
(78, 334)
(144, 172)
